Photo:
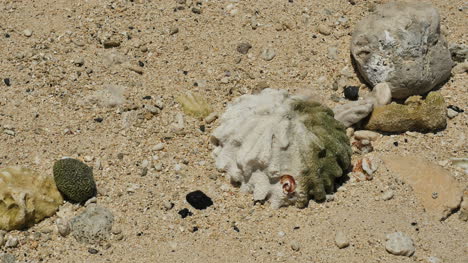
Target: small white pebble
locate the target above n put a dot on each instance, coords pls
(27, 32)
(158, 147)
(341, 241)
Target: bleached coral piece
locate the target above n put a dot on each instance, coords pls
(282, 148)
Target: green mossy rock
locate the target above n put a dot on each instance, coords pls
(74, 179)
(415, 115)
(329, 161)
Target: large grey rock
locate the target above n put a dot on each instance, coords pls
(400, 43)
(93, 225)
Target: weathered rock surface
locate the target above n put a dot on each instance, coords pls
(415, 115)
(399, 244)
(26, 197)
(437, 190)
(400, 43)
(93, 225)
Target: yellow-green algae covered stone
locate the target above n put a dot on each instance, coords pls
(26, 197)
(416, 114)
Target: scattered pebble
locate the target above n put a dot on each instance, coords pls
(244, 48)
(211, 117)
(27, 32)
(11, 242)
(168, 205)
(185, 212)
(366, 135)
(324, 29)
(451, 113)
(399, 244)
(173, 30)
(341, 241)
(7, 82)
(63, 227)
(92, 251)
(158, 147)
(295, 246)
(351, 92)
(199, 200)
(268, 54)
(387, 195)
(332, 53)
(79, 61)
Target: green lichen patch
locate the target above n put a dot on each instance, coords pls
(74, 179)
(328, 161)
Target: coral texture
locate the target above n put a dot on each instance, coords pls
(400, 43)
(74, 179)
(26, 197)
(283, 148)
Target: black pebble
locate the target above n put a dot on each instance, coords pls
(395, 143)
(7, 82)
(455, 108)
(92, 251)
(196, 11)
(147, 97)
(202, 128)
(141, 64)
(236, 229)
(98, 119)
(185, 72)
(199, 200)
(185, 212)
(351, 92)
(195, 229)
(7, 35)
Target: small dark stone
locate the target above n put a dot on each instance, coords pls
(185, 72)
(194, 229)
(7, 82)
(351, 92)
(291, 1)
(455, 108)
(98, 119)
(196, 11)
(352, 2)
(236, 229)
(141, 64)
(243, 48)
(185, 212)
(202, 128)
(406, 140)
(199, 200)
(144, 171)
(395, 143)
(296, 227)
(120, 156)
(7, 35)
(92, 251)
(147, 97)
(414, 223)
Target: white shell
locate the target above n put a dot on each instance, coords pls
(260, 139)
